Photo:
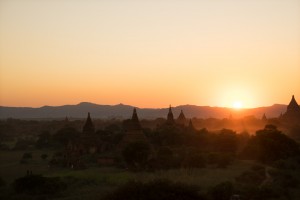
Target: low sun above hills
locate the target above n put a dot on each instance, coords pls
(238, 54)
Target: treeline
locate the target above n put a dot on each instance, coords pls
(170, 147)
(174, 147)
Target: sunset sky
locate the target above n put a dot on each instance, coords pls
(149, 53)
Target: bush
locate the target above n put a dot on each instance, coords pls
(36, 184)
(194, 160)
(27, 156)
(224, 160)
(2, 182)
(164, 158)
(158, 189)
(222, 191)
(23, 161)
(251, 177)
(44, 140)
(44, 156)
(269, 145)
(288, 164)
(221, 160)
(284, 179)
(226, 141)
(64, 135)
(23, 144)
(267, 192)
(136, 155)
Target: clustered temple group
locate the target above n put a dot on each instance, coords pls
(89, 143)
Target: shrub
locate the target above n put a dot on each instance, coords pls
(136, 155)
(44, 156)
(44, 140)
(224, 160)
(27, 156)
(251, 177)
(36, 184)
(269, 145)
(64, 135)
(158, 189)
(267, 192)
(23, 144)
(164, 158)
(226, 141)
(194, 160)
(2, 182)
(221, 160)
(222, 191)
(284, 179)
(288, 164)
(23, 161)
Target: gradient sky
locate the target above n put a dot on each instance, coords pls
(149, 53)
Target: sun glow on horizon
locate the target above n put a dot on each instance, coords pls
(237, 105)
(149, 53)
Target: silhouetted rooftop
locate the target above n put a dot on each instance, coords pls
(133, 123)
(88, 126)
(181, 118)
(293, 105)
(170, 118)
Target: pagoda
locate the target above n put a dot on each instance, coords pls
(181, 119)
(88, 127)
(292, 113)
(191, 126)
(170, 118)
(133, 131)
(264, 117)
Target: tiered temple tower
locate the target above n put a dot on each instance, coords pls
(181, 119)
(292, 113)
(264, 117)
(191, 126)
(170, 118)
(133, 131)
(88, 127)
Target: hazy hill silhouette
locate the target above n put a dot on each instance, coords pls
(124, 111)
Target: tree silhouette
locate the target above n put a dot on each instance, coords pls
(136, 154)
(269, 144)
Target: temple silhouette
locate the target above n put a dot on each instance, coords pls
(181, 118)
(88, 127)
(170, 117)
(292, 114)
(132, 131)
(90, 142)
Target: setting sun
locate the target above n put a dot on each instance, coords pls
(106, 52)
(237, 105)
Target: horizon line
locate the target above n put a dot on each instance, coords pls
(243, 108)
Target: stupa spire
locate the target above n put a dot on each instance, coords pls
(181, 118)
(264, 117)
(170, 118)
(293, 105)
(191, 126)
(292, 113)
(88, 126)
(135, 122)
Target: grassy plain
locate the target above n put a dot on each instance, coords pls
(94, 182)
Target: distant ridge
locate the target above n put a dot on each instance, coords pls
(124, 111)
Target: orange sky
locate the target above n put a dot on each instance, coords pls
(149, 53)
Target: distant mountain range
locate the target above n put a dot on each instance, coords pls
(124, 111)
